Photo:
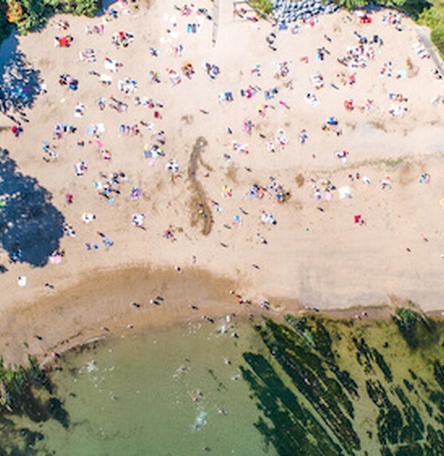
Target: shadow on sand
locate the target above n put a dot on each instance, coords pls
(19, 81)
(30, 226)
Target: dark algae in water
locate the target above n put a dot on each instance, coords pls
(26, 393)
(351, 387)
(417, 330)
(293, 424)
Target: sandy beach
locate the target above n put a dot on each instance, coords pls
(290, 195)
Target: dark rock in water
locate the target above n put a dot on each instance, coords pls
(57, 412)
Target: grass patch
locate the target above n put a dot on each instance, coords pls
(263, 6)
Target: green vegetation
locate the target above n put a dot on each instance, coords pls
(30, 15)
(263, 6)
(437, 36)
(433, 16)
(350, 387)
(5, 26)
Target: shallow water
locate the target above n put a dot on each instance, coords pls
(134, 396)
(314, 387)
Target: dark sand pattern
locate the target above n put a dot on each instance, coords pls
(199, 205)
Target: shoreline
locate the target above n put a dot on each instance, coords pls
(99, 308)
(83, 310)
(215, 311)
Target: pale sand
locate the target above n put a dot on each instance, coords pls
(335, 264)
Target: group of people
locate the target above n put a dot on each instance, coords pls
(127, 99)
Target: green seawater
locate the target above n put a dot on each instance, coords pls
(312, 386)
(134, 396)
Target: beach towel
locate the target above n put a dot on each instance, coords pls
(344, 192)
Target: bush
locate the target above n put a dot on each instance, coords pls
(437, 36)
(77, 7)
(431, 17)
(265, 6)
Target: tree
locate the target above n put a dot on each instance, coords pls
(34, 15)
(30, 15)
(5, 25)
(14, 13)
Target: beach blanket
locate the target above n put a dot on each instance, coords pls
(88, 55)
